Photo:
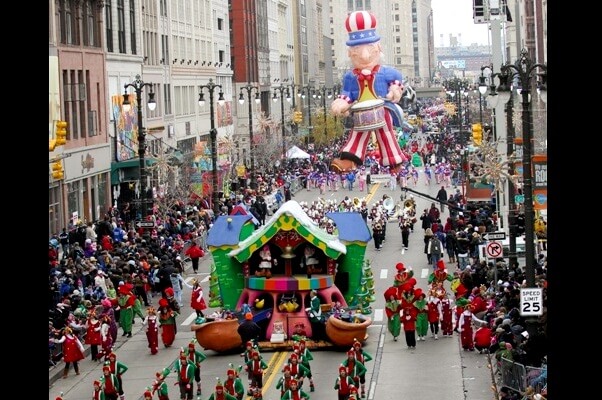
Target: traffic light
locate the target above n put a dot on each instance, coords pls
(61, 132)
(298, 117)
(57, 170)
(477, 134)
(51, 144)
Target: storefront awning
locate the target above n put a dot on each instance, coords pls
(130, 170)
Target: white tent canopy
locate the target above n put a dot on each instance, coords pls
(295, 152)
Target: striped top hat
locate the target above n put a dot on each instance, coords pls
(361, 26)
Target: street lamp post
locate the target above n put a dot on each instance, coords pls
(504, 93)
(210, 86)
(524, 69)
(307, 91)
(282, 89)
(482, 91)
(241, 99)
(138, 85)
(455, 89)
(324, 93)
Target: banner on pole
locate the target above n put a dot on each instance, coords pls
(540, 182)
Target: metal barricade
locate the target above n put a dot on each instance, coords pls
(537, 378)
(513, 375)
(519, 377)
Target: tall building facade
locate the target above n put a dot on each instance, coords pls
(98, 47)
(77, 96)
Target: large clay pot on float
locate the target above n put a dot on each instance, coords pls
(343, 333)
(220, 336)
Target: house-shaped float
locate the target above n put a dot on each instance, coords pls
(235, 245)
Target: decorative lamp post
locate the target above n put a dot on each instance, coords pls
(138, 85)
(241, 99)
(210, 86)
(455, 89)
(504, 93)
(482, 91)
(524, 69)
(282, 88)
(307, 91)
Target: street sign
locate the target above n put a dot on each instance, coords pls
(519, 198)
(495, 236)
(494, 249)
(145, 224)
(531, 302)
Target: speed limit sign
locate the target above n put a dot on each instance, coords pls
(531, 302)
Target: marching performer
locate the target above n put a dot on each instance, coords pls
(152, 330)
(233, 384)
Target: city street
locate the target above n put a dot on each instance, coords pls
(434, 370)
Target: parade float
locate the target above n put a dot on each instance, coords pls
(272, 272)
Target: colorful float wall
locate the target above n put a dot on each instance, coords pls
(282, 299)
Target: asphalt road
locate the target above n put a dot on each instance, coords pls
(434, 370)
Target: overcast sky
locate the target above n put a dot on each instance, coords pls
(454, 17)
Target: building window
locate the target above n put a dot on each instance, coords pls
(133, 25)
(92, 123)
(109, 25)
(55, 219)
(186, 146)
(67, 22)
(121, 26)
(89, 19)
(221, 56)
(73, 200)
(167, 98)
(220, 24)
(163, 8)
(165, 49)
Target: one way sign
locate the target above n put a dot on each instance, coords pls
(145, 224)
(495, 236)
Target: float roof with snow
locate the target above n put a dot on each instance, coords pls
(290, 216)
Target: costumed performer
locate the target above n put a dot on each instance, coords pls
(117, 368)
(233, 384)
(196, 357)
(355, 369)
(343, 383)
(73, 350)
(167, 320)
(152, 330)
(392, 309)
(295, 392)
(185, 375)
(160, 386)
(422, 324)
(465, 321)
(305, 356)
(220, 393)
(284, 383)
(362, 356)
